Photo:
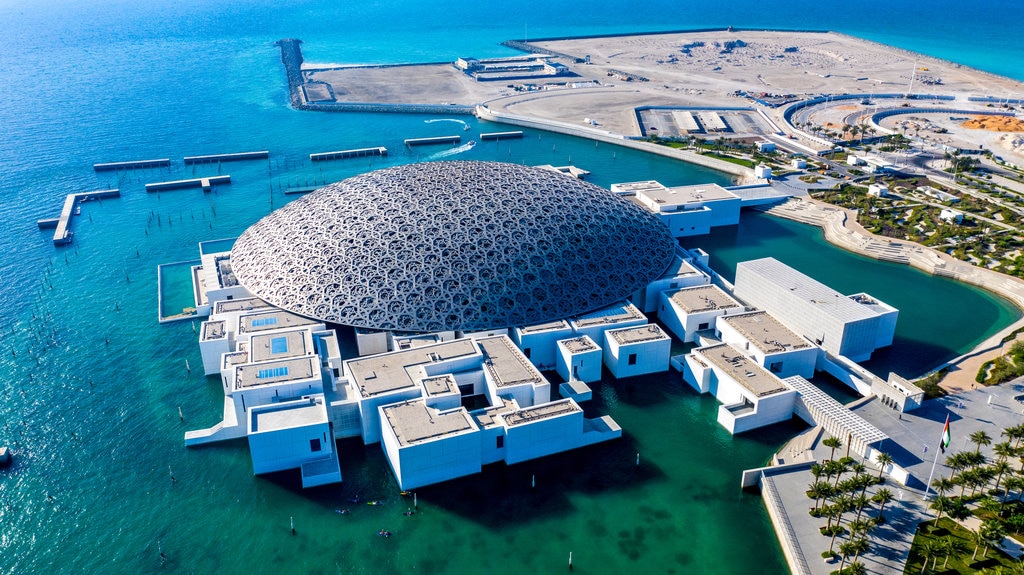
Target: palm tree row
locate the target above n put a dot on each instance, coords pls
(838, 494)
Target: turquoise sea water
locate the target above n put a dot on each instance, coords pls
(91, 385)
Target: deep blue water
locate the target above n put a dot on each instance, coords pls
(91, 384)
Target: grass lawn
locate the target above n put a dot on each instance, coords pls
(957, 563)
(735, 160)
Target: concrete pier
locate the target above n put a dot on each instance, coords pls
(501, 135)
(343, 154)
(61, 226)
(301, 189)
(205, 183)
(236, 157)
(132, 165)
(435, 140)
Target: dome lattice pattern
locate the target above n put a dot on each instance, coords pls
(452, 246)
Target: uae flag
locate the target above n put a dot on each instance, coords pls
(944, 442)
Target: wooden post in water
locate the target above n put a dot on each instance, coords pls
(570, 561)
(293, 525)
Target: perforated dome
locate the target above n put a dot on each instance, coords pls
(452, 246)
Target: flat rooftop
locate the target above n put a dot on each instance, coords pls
(440, 385)
(414, 422)
(703, 298)
(814, 293)
(638, 334)
(559, 325)
(388, 372)
(256, 374)
(288, 415)
(610, 315)
(765, 332)
(506, 364)
(490, 416)
(539, 412)
(686, 195)
(236, 305)
(273, 319)
(750, 375)
(637, 187)
(214, 329)
(278, 345)
(579, 344)
(681, 268)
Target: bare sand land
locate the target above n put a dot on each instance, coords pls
(682, 69)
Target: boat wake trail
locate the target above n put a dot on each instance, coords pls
(465, 126)
(446, 153)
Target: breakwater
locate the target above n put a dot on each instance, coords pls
(291, 57)
(235, 157)
(131, 165)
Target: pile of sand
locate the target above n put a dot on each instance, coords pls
(995, 124)
(1012, 142)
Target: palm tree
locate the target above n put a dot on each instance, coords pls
(952, 546)
(993, 532)
(819, 490)
(956, 462)
(942, 485)
(1000, 467)
(882, 497)
(837, 529)
(980, 438)
(834, 443)
(1004, 450)
(978, 539)
(846, 548)
(941, 504)
(1014, 482)
(860, 502)
(856, 568)
(930, 549)
(882, 459)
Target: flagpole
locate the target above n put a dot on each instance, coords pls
(928, 486)
(935, 459)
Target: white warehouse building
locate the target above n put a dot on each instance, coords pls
(852, 326)
(686, 210)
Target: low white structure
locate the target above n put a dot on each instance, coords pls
(763, 172)
(765, 146)
(769, 343)
(897, 393)
(214, 280)
(425, 445)
(798, 164)
(686, 210)
(951, 216)
(294, 434)
(852, 160)
(751, 397)
(579, 359)
(538, 342)
(879, 165)
(852, 326)
(938, 194)
(633, 351)
(596, 323)
(878, 190)
(687, 311)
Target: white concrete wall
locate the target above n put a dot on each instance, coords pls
(544, 437)
(370, 414)
(489, 450)
(696, 374)
(435, 461)
(585, 365)
(371, 343)
(648, 298)
(288, 448)
(683, 325)
(212, 351)
(725, 212)
(688, 223)
(542, 346)
(767, 410)
(651, 357)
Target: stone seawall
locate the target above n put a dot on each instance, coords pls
(291, 57)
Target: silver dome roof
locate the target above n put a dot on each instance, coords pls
(452, 246)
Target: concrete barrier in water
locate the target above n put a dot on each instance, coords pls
(205, 183)
(343, 154)
(132, 165)
(236, 157)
